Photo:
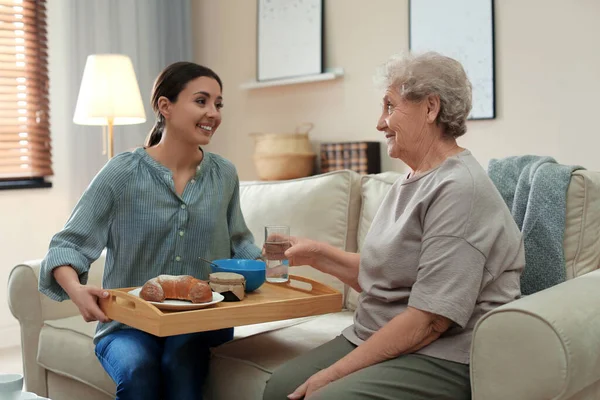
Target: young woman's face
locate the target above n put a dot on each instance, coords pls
(196, 114)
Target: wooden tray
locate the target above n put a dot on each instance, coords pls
(271, 302)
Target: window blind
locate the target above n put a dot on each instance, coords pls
(25, 150)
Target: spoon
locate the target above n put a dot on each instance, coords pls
(210, 262)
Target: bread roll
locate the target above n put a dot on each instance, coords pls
(180, 287)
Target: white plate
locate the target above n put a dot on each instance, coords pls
(180, 304)
(30, 395)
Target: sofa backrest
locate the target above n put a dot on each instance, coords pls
(338, 208)
(582, 225)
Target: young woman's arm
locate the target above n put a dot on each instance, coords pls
(64, 270)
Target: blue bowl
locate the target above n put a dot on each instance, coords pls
(253, 270)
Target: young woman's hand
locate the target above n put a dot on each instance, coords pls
(86, 298)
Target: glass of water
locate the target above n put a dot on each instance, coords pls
(277, 241)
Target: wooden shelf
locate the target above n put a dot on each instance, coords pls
(326, 76)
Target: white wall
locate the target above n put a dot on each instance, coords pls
(547, 78)
(30, 217)
(548, 81)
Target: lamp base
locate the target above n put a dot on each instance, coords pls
(110, 139)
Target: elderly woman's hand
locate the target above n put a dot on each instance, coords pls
(304, 252)
(301, 251)
(319, 255)
(314, 383)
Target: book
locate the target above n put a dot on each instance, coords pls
(361, 157)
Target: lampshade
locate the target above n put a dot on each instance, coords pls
(109, 91)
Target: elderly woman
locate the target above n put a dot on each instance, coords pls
(442, 251)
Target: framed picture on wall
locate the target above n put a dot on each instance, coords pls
(463, 30)
(290, 38)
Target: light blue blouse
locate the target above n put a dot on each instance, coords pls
(131, 208)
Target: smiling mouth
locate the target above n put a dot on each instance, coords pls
(207, 128)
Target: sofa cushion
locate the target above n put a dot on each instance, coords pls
(321, 207)
(63, 387)
(241, 332)
(582, 225)
(373, 189)
(248, 363)
(66, 348)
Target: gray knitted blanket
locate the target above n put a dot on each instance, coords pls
(535, 190)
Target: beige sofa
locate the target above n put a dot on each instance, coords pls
(544, 346)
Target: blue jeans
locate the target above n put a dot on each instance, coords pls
(148, 367)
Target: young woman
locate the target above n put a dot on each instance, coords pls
(156, 210)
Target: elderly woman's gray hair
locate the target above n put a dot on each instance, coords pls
(418, 76)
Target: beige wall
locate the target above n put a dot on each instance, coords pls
(30, 217)
(547, 78)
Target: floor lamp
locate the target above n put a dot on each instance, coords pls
(109, 95)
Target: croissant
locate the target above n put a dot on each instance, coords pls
(176, 287)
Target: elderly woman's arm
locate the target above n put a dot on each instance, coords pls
(326, 258)
(408, 332)
(449, 277)
(445, 292)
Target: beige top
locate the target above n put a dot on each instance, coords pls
(444, 242)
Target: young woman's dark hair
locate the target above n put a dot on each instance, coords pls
(171, 81)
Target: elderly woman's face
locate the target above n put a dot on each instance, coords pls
(404, 123)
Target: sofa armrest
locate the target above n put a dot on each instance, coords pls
(26, 276)
(31, 309)
(25, 305)
(543, 346)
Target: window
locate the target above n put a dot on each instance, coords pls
(25, 151)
